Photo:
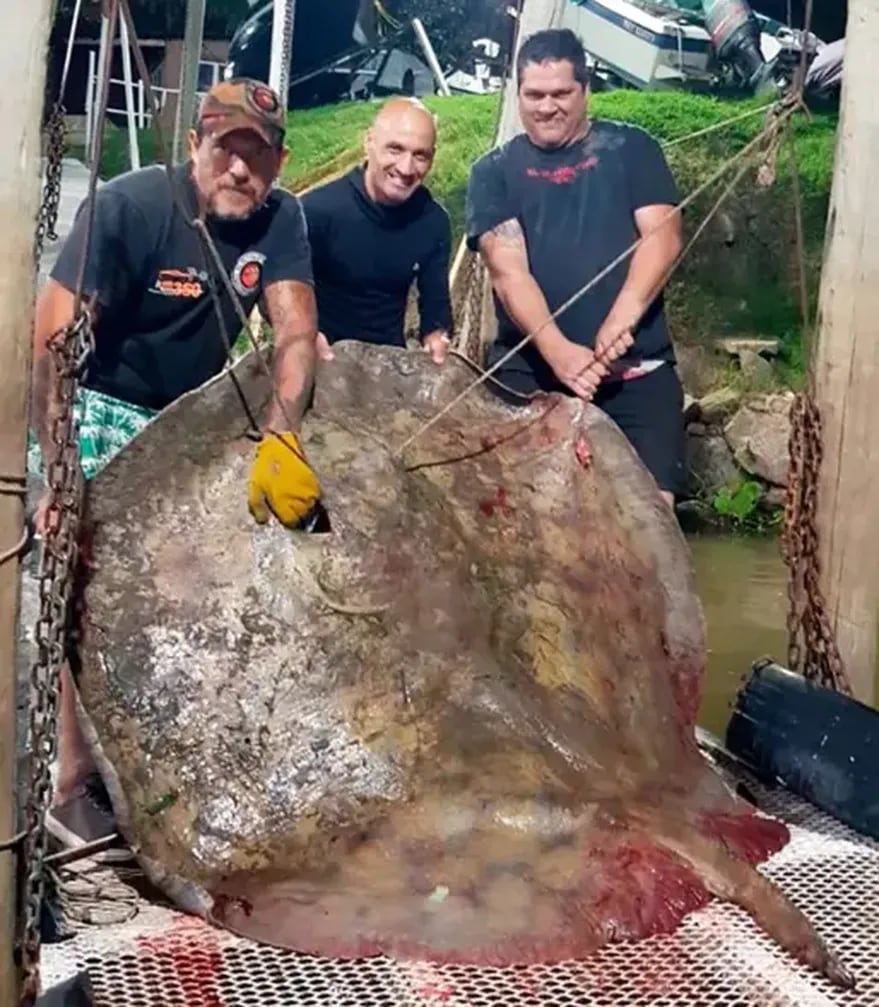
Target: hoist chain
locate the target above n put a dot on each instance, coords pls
(812, 648)
(48, 216)
(69, 349)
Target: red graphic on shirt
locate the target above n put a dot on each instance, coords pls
(565, 174)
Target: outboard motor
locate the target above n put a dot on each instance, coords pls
(735, 36)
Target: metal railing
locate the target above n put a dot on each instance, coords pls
(138, 109)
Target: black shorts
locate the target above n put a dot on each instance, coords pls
(649, 410)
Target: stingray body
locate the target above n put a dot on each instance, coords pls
(457, 725)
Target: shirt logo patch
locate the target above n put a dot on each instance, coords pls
(247, 274)
(564, 175)
(186, 283)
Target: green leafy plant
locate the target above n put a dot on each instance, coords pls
(739, 502)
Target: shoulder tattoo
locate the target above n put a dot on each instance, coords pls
(508, 231)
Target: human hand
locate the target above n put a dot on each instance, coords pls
(576, 367)
(41, 514)
(323, 348)
(437, 344)
(281, 481)
(612, 341)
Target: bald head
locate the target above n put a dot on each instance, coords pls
(400, 147)
(406, 114)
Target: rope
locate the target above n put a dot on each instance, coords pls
(802, 280)
(741, 117)
(13, 844)
(748, 149)
(14, 486)
(112, 17)
(16, 550)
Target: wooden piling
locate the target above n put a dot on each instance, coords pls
(21, 104)
(847, 365)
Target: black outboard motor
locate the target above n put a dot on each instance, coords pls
(735, 36)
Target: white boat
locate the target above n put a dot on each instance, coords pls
(645, 44)
(652, 44)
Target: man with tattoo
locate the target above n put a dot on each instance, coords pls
(377, 230)
(151, 290)
(552, 209)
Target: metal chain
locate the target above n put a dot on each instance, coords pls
(48, 216)
(812, 648)
(70, 348)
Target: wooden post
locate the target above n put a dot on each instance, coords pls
(536, 15)
(847, 365)
(24, 61)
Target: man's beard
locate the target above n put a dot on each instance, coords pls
(227, 217)
(233, 218)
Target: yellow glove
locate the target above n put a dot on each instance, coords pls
(281, 481)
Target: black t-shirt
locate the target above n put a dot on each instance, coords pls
(157, 335)
(366, 255)
(576, 207)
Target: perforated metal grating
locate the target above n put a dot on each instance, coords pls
(718, 958)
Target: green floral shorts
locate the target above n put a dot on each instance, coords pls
(106, 425)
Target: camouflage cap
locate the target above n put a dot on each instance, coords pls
(243, 103)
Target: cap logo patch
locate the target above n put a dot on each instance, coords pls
(264, 100)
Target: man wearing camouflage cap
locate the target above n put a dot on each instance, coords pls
(157, 335)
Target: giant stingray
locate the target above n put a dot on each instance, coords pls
(458, 724)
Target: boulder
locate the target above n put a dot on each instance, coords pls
(756, 369)
(710, 463)
(719, 405)
(758, 437)
(764, 347)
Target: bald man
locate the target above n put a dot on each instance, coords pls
(376, 230)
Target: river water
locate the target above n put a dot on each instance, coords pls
(742, 584)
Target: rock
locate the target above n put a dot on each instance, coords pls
(775, 496)
(758, 437)
(692, 410)
(763, 347)
(779, 403)
(719, 405)
(697, 429)
(696, 367)
(710, 464)
(755, 368)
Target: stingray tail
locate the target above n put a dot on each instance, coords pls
(729, 877)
